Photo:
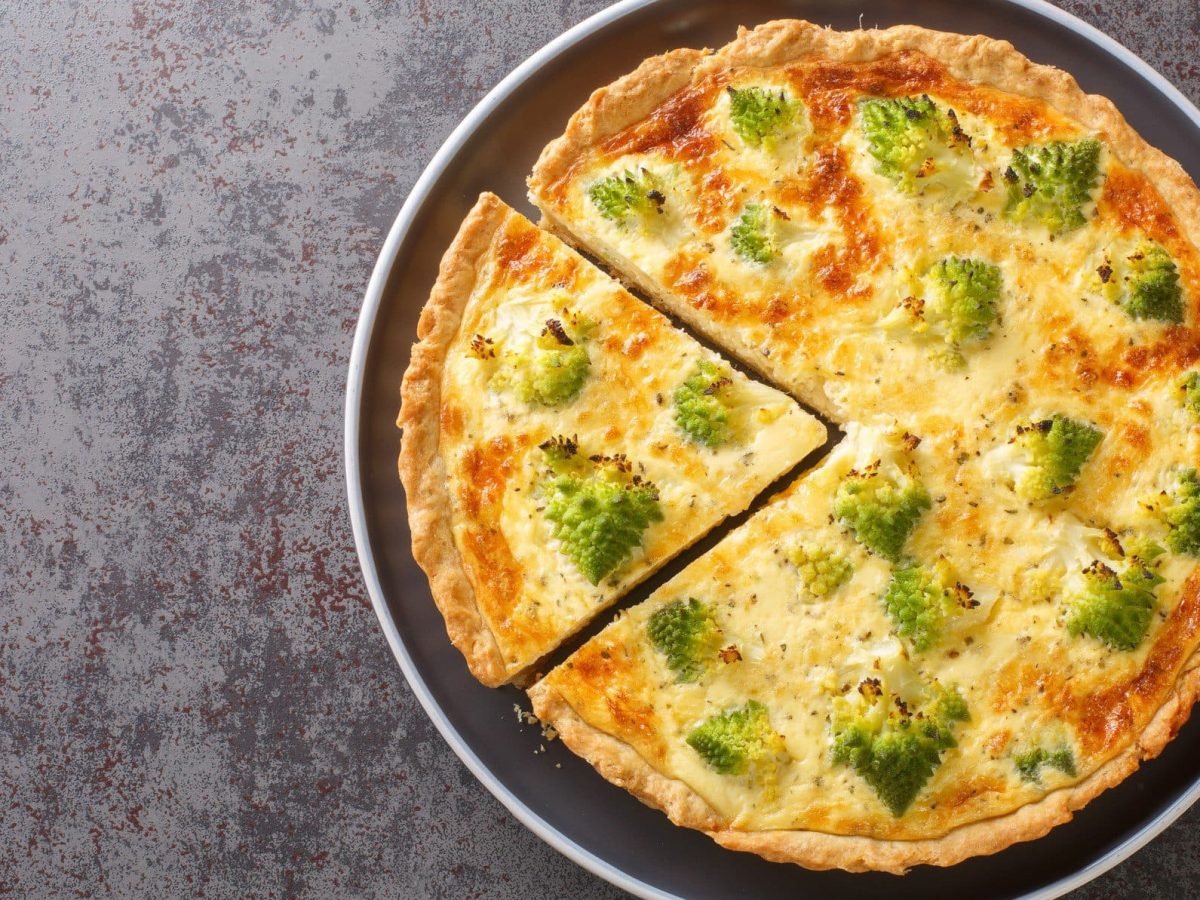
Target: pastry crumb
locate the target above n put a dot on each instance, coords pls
(524, 717)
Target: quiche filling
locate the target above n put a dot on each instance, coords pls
(986, 591)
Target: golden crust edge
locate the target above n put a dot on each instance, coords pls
(612, 108)
(618, 762)
(422, 470)
(978, 58)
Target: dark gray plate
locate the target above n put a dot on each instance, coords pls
(576, 811)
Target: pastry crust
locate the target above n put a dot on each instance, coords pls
(614, 108)
(421, 468)
(621, 764)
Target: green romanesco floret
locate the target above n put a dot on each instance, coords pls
(881, 511)
(704, 405)
(1190, 388)
(629, 193)
(1145, 284)
(761, 115)
(597, 508)
(822, 569)
(893, 745)
(920, 599)
(1031, 762)
(952, 305)
(554, 369)
(1055, 450)
(947, 357)
(687, 634)
(1181, 511)
(960, 298)
(911, 138)
(751, 236)
(1051, 183)
(1117, 609)
(739, 740)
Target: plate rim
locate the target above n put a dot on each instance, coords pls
(373, 300)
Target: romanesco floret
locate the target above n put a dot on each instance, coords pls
(630, 193)
(751, 236)
(759, 115)
(953, 304)
(881, 511)
(960, 298)
(1181, 511)
(822, 569)
(911, 138)
(597, 508)
(894, 747)
(919, 599)
(1145, 284)
(687, 634)
(1051, 183)
(738, 740)
(554, 370)
(703, 405)
(1031, 762)
(1191, 393)
(1056, 449)
(1116, 609)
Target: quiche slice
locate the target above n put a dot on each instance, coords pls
(562, 440)
(982, 610)
(875, 671)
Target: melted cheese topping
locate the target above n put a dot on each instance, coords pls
(817, 319)
(530, 594)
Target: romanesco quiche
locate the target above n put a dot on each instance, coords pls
(981, 608)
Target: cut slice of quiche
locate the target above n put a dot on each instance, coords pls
(562, 440)
(983, 609)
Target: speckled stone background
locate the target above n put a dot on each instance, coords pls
(195, 696)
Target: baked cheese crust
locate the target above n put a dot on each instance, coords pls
(545, 456)
(959, 314)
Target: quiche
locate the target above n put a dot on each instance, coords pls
(982, 608)
(562, 440)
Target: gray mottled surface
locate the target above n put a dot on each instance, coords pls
(195, 697)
